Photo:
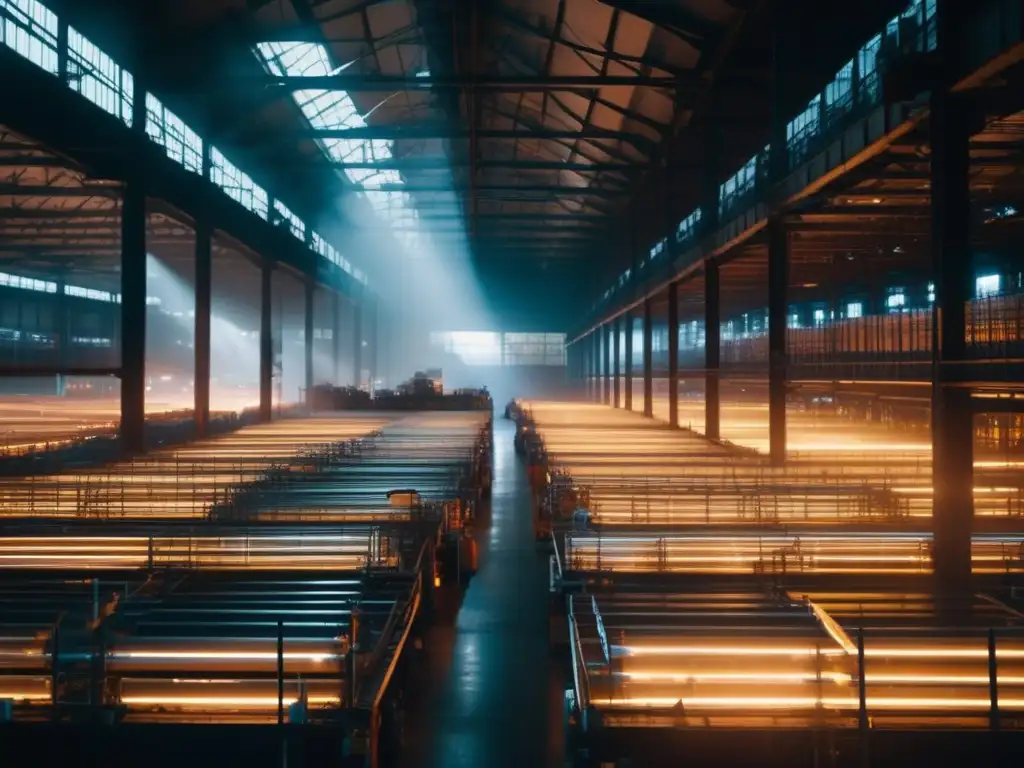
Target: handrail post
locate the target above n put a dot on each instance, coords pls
(993, 682)
(54, 664)
(280, 673)
(862, 691)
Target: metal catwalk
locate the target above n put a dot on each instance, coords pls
(493, 696)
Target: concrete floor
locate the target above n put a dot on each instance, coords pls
(489, 690)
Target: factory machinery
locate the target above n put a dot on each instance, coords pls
(290, 600)
(702, 593)
(424, 391)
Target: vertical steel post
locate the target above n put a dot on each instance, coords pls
(374, 342)
(357, 344)
(606, 338)
(862, 698)
(203, 311)
(336, 338)
(628, 377)
(64, 334)
(133, 315)
(993, 682)
(617, 361)
(712, 351)
(673, 354)
(280, 673)
(952, 412)
(778, 291)
(266, 342)
(309, 290)
(55, 673)
(648, 359)
(133, 287)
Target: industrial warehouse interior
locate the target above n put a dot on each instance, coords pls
(511, 383)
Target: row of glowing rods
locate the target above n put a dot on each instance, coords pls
(815, 553)
(691, 553)
(268, 552)
(162, 693)
(194, 675)
(637, 473)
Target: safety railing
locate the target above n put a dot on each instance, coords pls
(581, 683)
(412, 610)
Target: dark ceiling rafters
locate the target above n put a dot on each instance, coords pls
(670, 17)
(633, 63)
(524, 112)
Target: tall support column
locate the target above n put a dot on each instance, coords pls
(373, 344)
(266, 342)
(336, 337)
(133, 316)
(648, 359)
(712, 351)
(582, 361)
(778, 290)
(357, 344)
(307, 339)
(133, 282)
(592, 367)
(584, 353)
(583, 350)
(952, 422)
(595, 368)
(203, 311)
(617, 362)
(628, 376)
(64, 335)
(606, 356)
(673, 354)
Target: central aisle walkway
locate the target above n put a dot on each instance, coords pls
(495, 692)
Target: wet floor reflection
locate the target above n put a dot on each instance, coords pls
(493, 692)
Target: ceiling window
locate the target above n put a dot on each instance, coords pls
(896, 301)
(30, 28)
(335, 110)
(987, 285)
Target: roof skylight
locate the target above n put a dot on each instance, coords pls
(335, 110)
